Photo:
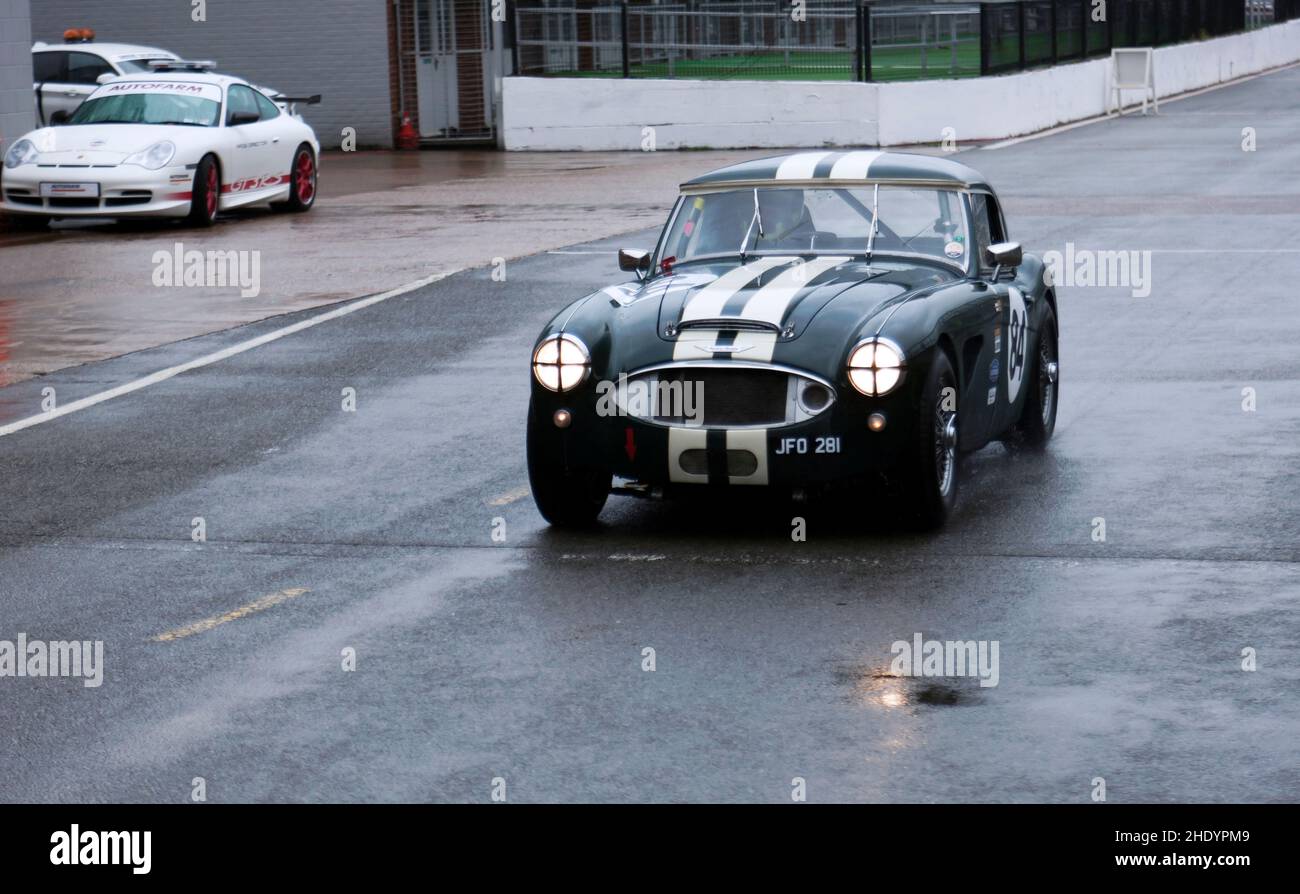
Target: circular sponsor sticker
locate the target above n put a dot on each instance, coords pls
(954, 249)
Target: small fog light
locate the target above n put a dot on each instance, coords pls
(876, 422)
(562, 418)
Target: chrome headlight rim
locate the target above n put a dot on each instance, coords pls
(21, 153)
(867, 382)
(559, 365)
(141, 159)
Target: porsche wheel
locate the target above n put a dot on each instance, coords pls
(207, 193)
(566, 497)
(1038, 419)
(931, 474)
(302, 182)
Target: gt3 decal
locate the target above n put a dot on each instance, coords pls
(1017, 344)
(266, 181)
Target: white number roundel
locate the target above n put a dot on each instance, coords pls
(1017, 344)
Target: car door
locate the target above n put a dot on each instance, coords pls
(1014, 332)
(986, 364)
(50, 73)
(65, 80)
(254, 167)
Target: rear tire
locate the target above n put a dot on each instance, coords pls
(206, 197)
(566, 497)
(931, 473)
(1038, 419)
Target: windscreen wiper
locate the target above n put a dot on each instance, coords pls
(757, 218)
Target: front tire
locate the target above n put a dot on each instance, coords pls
(302, 182)
(206, 196)
(1038, 419)
(567, 497)
(931, 473)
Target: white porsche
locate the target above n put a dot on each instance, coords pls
(179, 141)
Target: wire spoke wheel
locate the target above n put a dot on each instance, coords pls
(945, 446)
(1047, 371)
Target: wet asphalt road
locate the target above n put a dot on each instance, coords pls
(476, 659)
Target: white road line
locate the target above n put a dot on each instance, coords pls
(209, 359)
(1224, 251)
(1002, 144)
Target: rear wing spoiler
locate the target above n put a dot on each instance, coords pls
(312, 100)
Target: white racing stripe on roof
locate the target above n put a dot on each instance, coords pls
(709, 301)
(770, 303)
(854, 166)
(800, 166)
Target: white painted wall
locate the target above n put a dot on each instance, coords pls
(17, 105)
(611, 113)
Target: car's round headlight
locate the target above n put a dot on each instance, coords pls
(154, 157)
(875, 367)
(561, 362)
(20, 153)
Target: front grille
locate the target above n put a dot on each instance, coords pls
(731, 397)
(131, 197)
(21, 199)
(724, 395)
(73, 202)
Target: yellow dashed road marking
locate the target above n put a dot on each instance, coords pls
(517, 494)
(257, 605)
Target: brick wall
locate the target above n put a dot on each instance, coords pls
(17, 105)
(338, 48)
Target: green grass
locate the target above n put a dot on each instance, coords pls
(888, 64)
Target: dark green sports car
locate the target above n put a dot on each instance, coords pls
(806, 323)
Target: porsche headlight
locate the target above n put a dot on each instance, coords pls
(20, 153)
(153, 158)
(876, 367)
(561, 362)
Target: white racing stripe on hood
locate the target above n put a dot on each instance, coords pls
(854, 166)
(708, 302)
(800, 166)
(702, 344)
(770, 303)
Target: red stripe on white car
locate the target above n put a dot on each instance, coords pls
(254, 183)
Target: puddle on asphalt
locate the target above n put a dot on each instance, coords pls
(877, 686)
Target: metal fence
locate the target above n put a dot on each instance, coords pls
(839, 40)
(1028, 33)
